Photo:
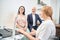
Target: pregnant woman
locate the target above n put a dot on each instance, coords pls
(21, 21)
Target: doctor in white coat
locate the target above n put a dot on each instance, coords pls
(46, 31)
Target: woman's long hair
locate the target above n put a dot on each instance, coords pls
(19, 10)
(48, 11)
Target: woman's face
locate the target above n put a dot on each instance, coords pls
(42, 14)
(21, 10)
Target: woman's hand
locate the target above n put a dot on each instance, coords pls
(33, 30)
(24, 29)
(37, 39)
(21, 31)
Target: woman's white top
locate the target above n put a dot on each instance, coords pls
(46, 30)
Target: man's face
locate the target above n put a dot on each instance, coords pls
(33, 10)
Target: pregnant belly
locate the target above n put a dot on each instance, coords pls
(22, 24)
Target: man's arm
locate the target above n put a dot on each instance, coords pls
(28, 21)
(39, 19)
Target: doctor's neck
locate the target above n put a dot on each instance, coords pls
(47, 18)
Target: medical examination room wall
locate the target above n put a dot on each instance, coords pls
(9, 9)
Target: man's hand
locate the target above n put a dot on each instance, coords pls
(33, 32)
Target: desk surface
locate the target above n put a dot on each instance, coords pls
(58, 26)
(12, 38)
(58, 30)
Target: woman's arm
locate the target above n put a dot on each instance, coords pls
(27, 35)
(26, 24)
(16, 22)
(17, 25)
